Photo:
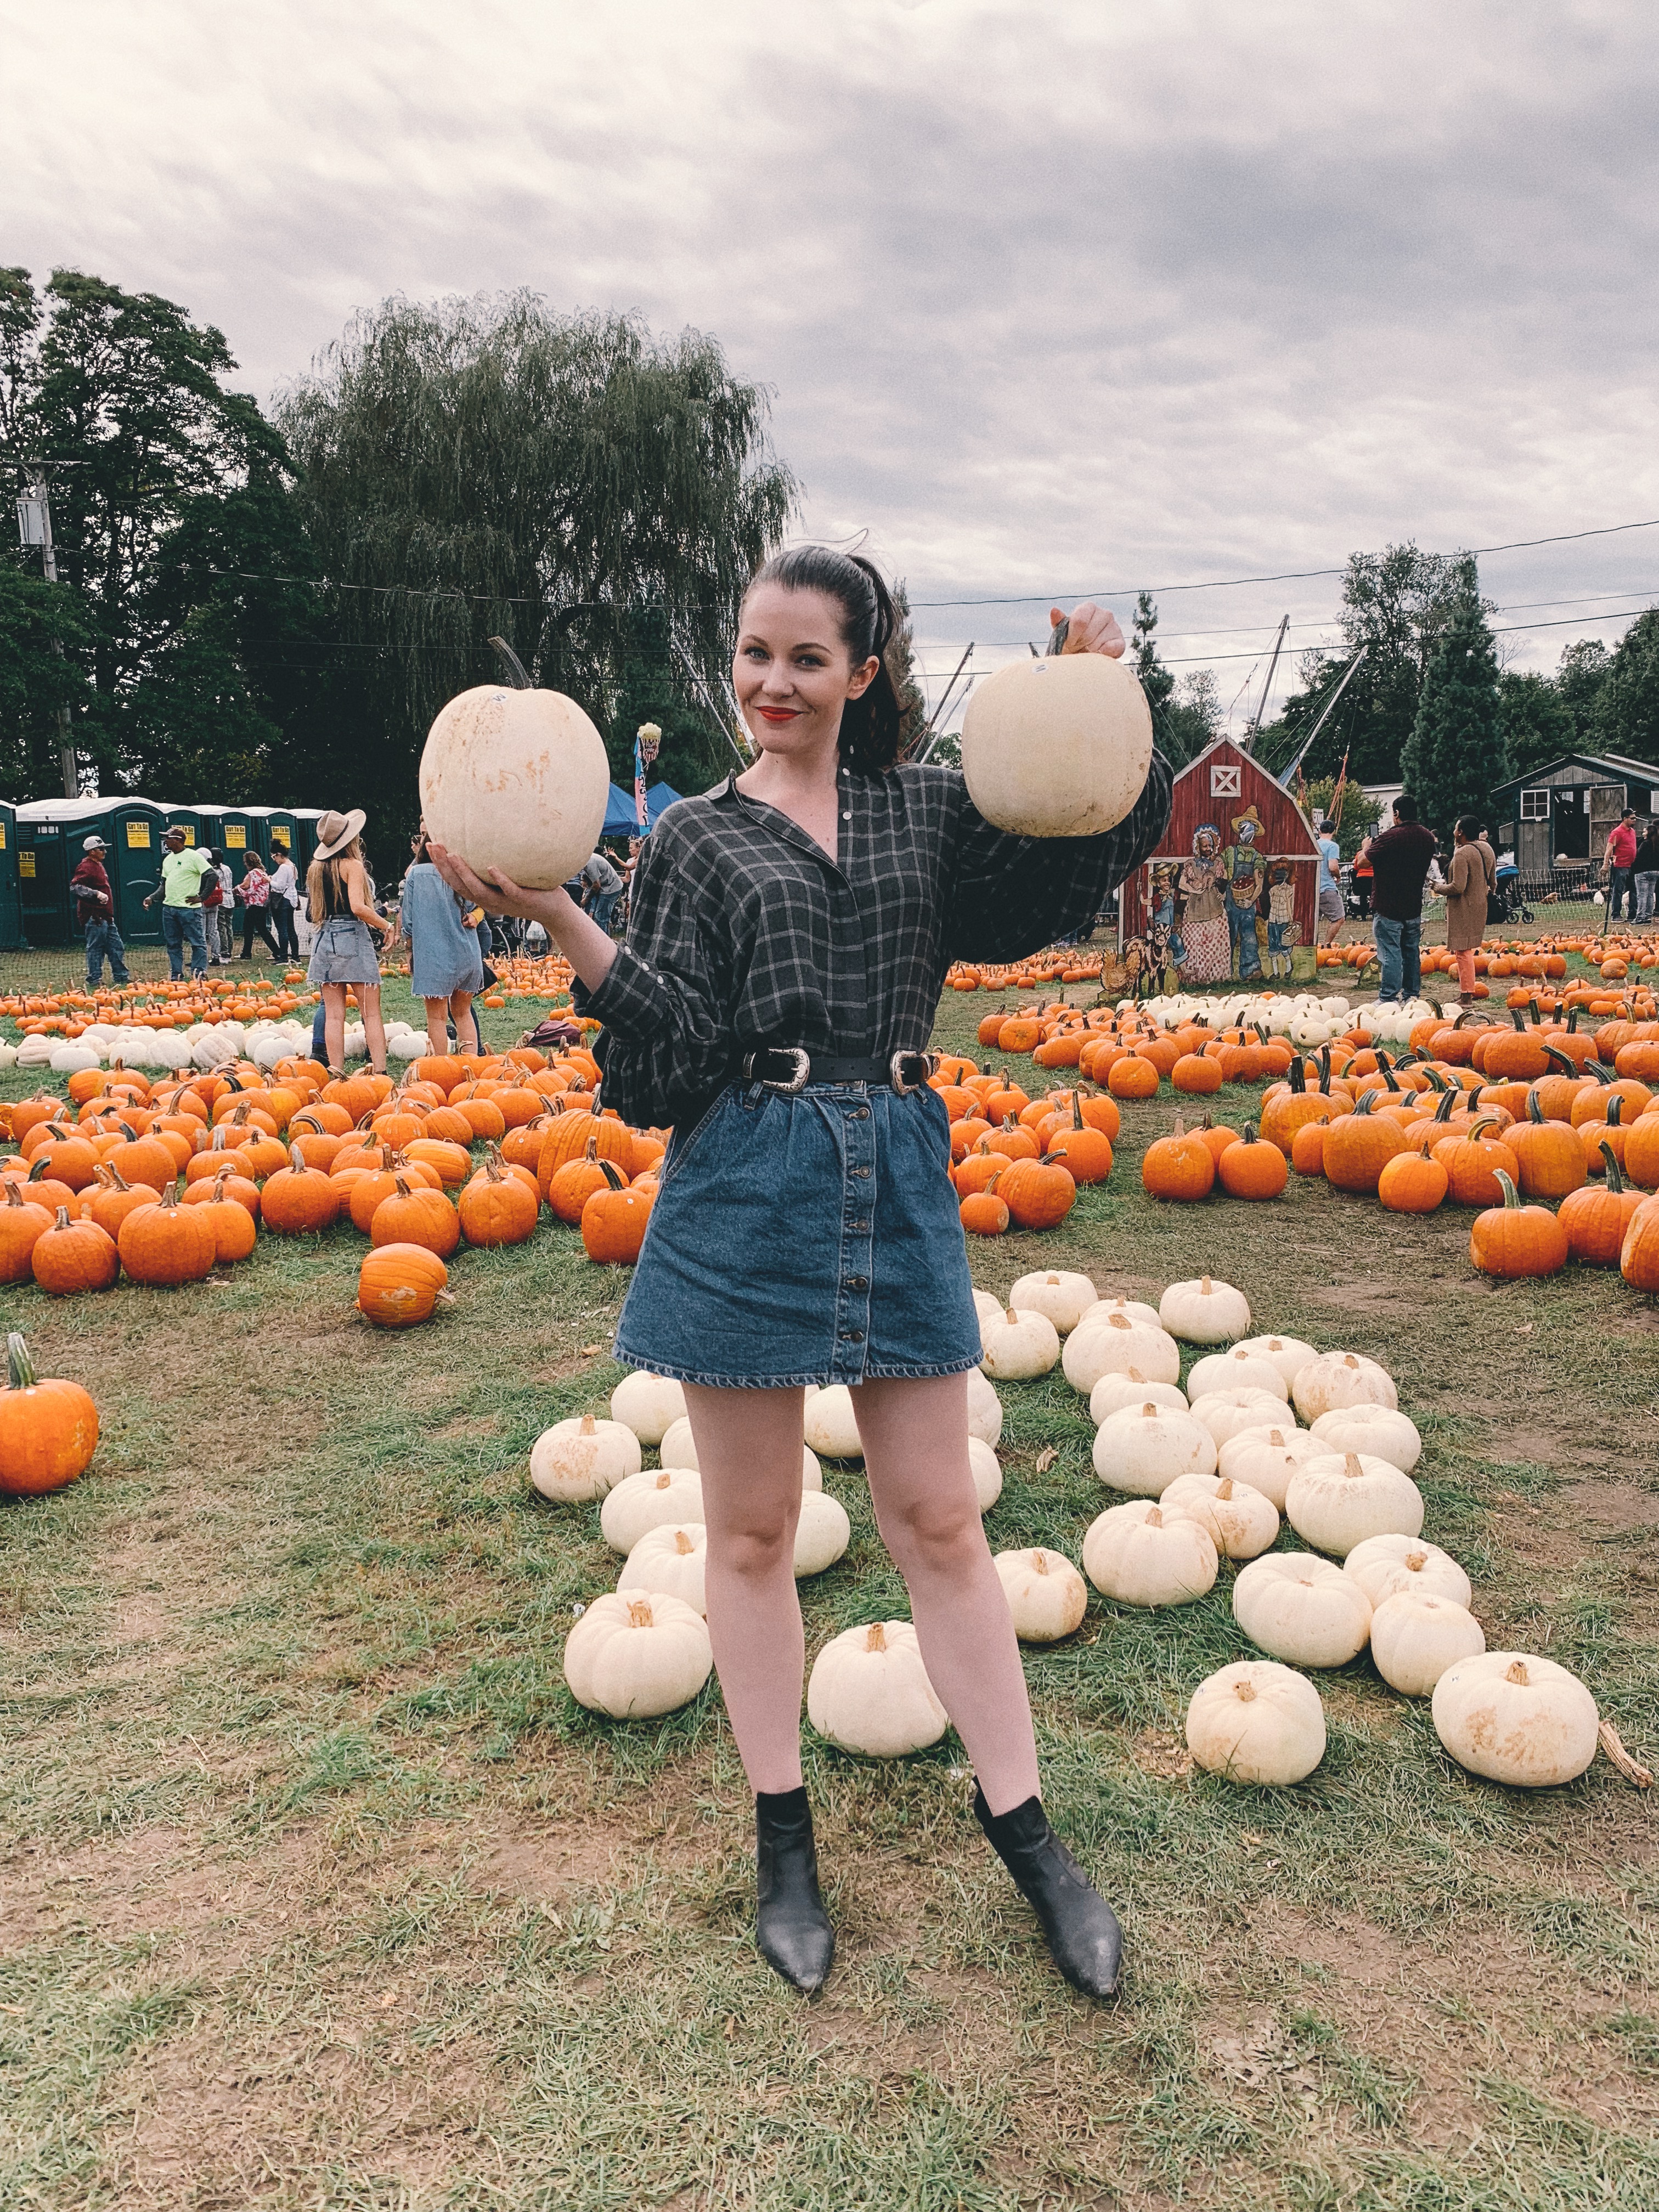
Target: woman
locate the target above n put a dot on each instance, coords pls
(1646, 870)
(212, 896)
(446, 965)
(1466, 900)
(790, 937)
(254, 892)
(341, 898)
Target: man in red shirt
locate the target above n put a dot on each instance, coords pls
(94, 909)
(1400, 865)
(1622, 864)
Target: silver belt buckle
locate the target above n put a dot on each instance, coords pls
(896, 1075)
(798, 1081)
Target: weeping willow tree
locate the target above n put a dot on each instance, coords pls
(488, 468)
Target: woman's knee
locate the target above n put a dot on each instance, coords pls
(935, 1533)
(756, 1547)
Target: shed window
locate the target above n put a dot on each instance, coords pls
(1536, 803)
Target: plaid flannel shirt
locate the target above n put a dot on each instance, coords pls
(744, 933)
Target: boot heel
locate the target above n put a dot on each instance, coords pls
(792, 1929)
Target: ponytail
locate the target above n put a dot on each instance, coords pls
(870, 723)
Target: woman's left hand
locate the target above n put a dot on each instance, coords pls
(1091, 629)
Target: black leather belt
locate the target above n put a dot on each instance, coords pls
(791, 1067)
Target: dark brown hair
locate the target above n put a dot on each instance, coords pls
(870, 723)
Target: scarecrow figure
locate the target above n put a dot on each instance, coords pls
(1281, 917)
(1243, 871)
(1162, 915)
(1205, 954)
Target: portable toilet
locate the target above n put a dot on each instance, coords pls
(51, 832)
(275, 825)
(236, 832)
(12, 939)
(43, 874)
(195, 822)
(305, 820)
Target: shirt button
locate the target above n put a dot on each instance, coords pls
(847, 814)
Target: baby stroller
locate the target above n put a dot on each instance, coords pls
(1505, 902)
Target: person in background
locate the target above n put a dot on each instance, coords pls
(1399, 862)
(184, 869)
(1644, 870)
(94, 909)
(281, 901)
(1621, 868)
(212, 896)
(227, 909)
(1468, 889)
(603, 882)
(341, 897)
(1330, 883)
(1362, 881)
(445, 960)
(254, 892)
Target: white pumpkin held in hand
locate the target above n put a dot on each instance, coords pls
(1113, 1347)
(1058, 747)
(1141, 1451)
(822, 1533)
(1228, 1414)
(582, 1458)
(1257, 1723)
(1141, 1555)
(1114, 1391)
(1337, 1502)
(516, 780)
(1019, 1346)
(1267, 1457)
(986, 1470)
(831, 1426)
(984, 1409)
(648, 1404)
(1302, 1610)
(869, 1692)
(1063, 1298)
(1288, 1353)
(1242, 1523)
(637, 1655)
(671, 1559)
(1337, 1380)
(1383, 1564)
(1208, 1311)
(1415, 1636)
(655, 1499)
(1236, 1370)
(1380, 1431)
(1515, 1718)
(1046, 1595)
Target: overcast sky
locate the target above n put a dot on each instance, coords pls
(1052, 297)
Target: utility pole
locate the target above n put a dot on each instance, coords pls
(35, 528)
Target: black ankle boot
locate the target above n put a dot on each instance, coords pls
(1081, 1927)
(792, 1929)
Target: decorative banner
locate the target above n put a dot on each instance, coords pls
(137, 834)
(646, 743)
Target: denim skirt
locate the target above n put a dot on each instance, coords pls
(344, 953)
(806, 1239)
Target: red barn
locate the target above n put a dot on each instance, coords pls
(1238, 850)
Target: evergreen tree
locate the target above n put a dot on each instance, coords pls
(1578, 681)
(1537, 724)
(1626, 717)
(1455, 754)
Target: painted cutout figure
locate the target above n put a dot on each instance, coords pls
(1281, 917)
(1244, 870)
(1206, 952)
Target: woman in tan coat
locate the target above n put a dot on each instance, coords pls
(1466, 900)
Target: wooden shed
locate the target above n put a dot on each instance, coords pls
(1559, 815)
(1238, 851)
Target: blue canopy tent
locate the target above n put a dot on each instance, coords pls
(620, 818)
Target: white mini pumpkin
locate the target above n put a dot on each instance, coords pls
(1063, 1297)
(1302, 1610)
(1047, 1596)
(1113, 1347)
(648, 1404)
(984, 1410)
(1228, 1413)
(822, 1533)
(1382, 1565)
(1416, 1635)
(655, 1499)
(831, 1426)
(1268, 1457)
(1516, 1719)
(671, 1558)
(986, 1470)
(1019, 1346)
(1208, 1311)
(1114, 1391)
(1258, 1723)
(1236, 1370)
(1337, 1502)
(1288, 1353)
(1381, 1430)
(635, 1656)
(1340, 1379)
(1143, 1448)
(869, 1692)
(679, 1448)
(583, 1458)
(1134, 1311)
(1242, 1523)
(1141, 1555)
(986, 1306)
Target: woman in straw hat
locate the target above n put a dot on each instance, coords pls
(341, 898)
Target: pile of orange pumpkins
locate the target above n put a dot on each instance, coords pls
(163, 1181)
(1016, 1161)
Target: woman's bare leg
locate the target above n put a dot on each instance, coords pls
(334, 1000)
(915, 1453)
(368, 1004)
(463, 1013)
(437, 1036)
(749, 1448)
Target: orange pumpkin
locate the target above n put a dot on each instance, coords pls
(1252, 1169)
(48, 1431)
(983, 1213)
(1597, 1219)
(1037, 1193)
(167, 1243)
(75, 1255)
(1413, 1182)
(496, 1207)
(399, 1284)
(1179, 1166)
(413, 1215)
(299, 1201)
(614, 1220)
(1512, 1240)
(22, 1225)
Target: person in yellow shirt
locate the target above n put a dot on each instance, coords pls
(183, 868)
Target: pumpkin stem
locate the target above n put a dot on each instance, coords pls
(683, 1544)
(1516, 1672)
(1039, 1562)
(1615, 1181)
(875, 1638)
(62, 1221)
(1512, 1196)
(18, 1362)
(1154, 1518)
(1224, 1487)
(1351, 1466)
(639, 1613)
(1245, 1692)
(1630, 1768)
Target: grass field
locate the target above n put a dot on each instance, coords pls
(319, 1891)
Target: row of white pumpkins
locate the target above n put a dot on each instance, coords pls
(1207, 1473)
(1306, 1019)
(203, 1045)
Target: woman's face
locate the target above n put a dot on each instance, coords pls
(792, 671)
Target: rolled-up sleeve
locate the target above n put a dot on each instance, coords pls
(664, 1047)
(1013, 894)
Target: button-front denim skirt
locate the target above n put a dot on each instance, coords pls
(806, 1239)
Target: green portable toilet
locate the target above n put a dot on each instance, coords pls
(276, 826)
(306, 819)
(52, 835)
(235, 831)
(195, 822)
(11, 911)
(43, 874)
